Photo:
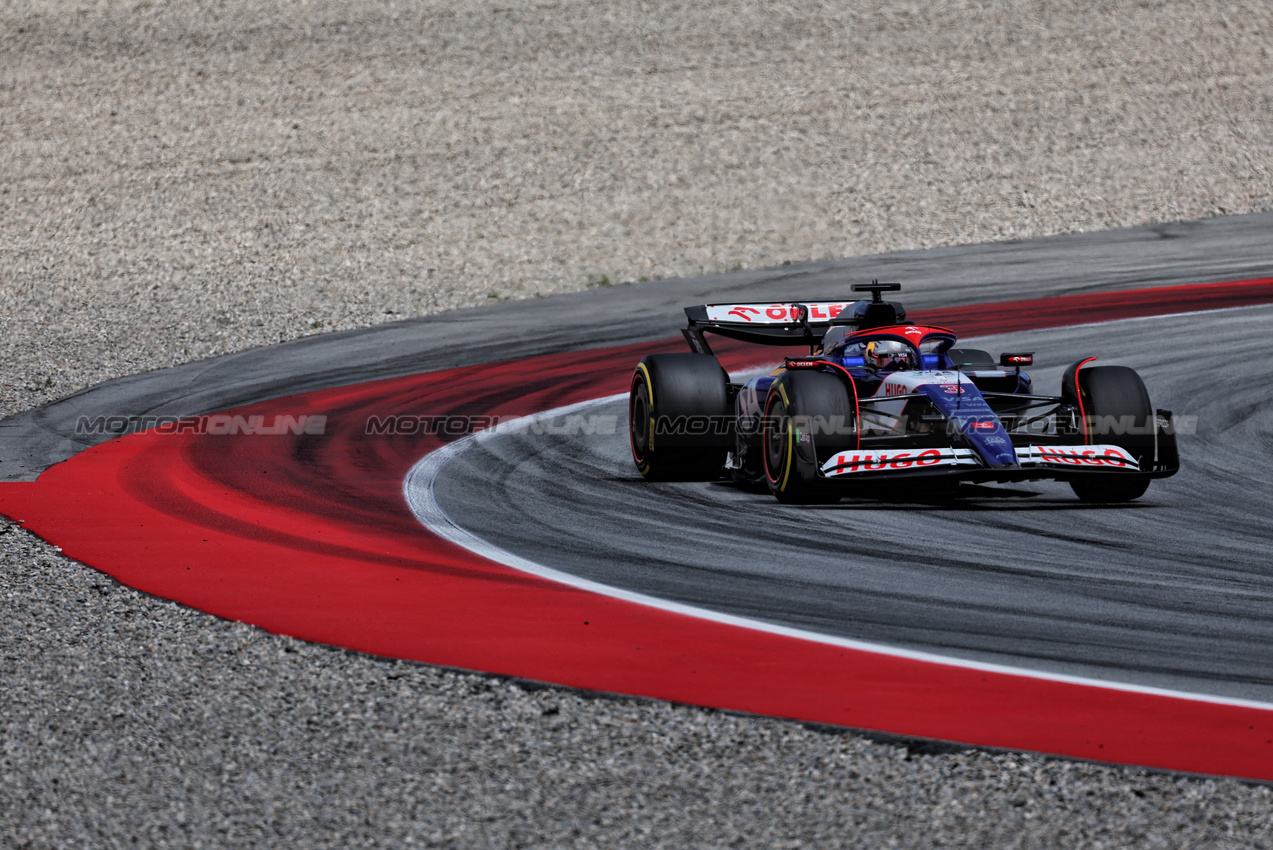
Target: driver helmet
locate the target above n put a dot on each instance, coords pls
(889, 355)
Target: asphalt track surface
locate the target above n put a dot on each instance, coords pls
(1172, 591)
(1179, 254)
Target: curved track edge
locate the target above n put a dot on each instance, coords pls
(309, 535)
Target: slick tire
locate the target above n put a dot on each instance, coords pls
(680, 420)
(809, 417)
(1109, 395)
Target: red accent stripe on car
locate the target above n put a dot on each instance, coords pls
(1078, 393)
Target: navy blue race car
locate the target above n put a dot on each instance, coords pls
(878, 399)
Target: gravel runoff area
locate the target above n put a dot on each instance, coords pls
(180, 179)
(184, 179)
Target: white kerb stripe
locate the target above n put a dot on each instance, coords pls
(418, 488)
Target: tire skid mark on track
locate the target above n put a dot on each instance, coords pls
(310, 536)
(1066, 310)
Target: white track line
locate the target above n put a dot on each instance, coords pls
(418, 489)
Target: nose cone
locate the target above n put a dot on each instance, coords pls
(971, 417)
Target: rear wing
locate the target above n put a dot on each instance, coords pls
(772, 323)
(790, 322)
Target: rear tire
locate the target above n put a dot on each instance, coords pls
(680, 422)
(809, 417)
(1109, 395)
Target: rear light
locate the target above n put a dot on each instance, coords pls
(1017, 360)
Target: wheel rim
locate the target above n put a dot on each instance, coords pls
(775, 434)
(639, 421)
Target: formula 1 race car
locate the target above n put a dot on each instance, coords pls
(878, 400)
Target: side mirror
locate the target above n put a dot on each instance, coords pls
(1016, 360)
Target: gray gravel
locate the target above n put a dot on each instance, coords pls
(128, 720)
(181, 179)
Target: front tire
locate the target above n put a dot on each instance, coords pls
(1115, 395)
(680, 421)
(809, 417)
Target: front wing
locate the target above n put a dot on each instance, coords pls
(1035, 462)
